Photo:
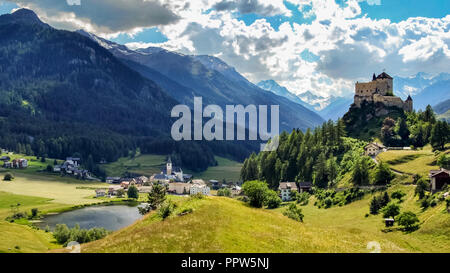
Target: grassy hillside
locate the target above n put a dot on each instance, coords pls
(148, 165)
(227, 225)
(411, 162)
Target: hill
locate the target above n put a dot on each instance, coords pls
(227, 225)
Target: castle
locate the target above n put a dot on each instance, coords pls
(380, 90)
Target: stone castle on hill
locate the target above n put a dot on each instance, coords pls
(380, 90)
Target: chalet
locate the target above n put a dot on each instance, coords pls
(215, 184)
(179, 188)
(202, 189)
(439, 178)
(125, 184)
(373, 149)
(142, 180)
(113, 180)
(304, 186)
(112, 191)
(75, 161)
(145, 189)
(285, 190)
(100, 193)
(236, 190)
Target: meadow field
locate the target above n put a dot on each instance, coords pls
(220, 224)
(148, 165)
(411, 162)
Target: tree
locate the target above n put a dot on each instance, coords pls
(374, 205)
(90, 165)
(428, 115)
(383, 174)
(320, 172)
(421, 188)
(256, 192)
(398, 194)
(402, 129)
(444, 161)
(133, 192)
(166, 209)
(272, 201)
(156, 196)
(391, 210)
(224, 192)
(49, 168)
(34, 213)
(294, 212)
(408, 220)
(387, 130)
(440, 135)
(120, 193)
(360, 173)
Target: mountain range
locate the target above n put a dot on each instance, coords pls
(186, 76)
(64, 92)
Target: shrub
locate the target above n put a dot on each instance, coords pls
(197, 196)
(328, 202)
(425, 203)
(398, 195)
(256, 192)
(421, 188)
(34, 212)
(156, 196)
(303, 198)
(8, 176)
(133, 192)
(391, 210)
(383, 175)
(272, 200)
(224, 192)
(294, 212)
(166, 209)
(120, 193)
(408, 220)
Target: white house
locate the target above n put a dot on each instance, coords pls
(373, 149)
(203, 189)
(100, 192)
(180, 188)
(285, 190)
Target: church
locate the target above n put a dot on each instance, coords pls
(175, 173)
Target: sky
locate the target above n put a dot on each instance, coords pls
(322, 46)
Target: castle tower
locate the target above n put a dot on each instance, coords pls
(408, 106)
(169, 166)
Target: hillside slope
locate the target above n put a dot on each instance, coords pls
(227, 225)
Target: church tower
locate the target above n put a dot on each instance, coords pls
(169, 166)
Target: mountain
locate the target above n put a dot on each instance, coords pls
(210, 78)
(274, 87)
(62, 93)
(328, 108)
(423, 88)
(442, 107)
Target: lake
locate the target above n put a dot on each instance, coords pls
(109, 217)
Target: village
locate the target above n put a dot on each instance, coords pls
(172, 177)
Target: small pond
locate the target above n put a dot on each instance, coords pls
(109, 217)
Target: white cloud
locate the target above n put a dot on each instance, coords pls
(349, 45)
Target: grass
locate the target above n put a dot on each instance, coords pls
(141, 164)
(220, 224)
(151, 164)
(411, 161)
(226, 169)
(62, 190)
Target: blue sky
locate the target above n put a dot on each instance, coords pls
(322, 46)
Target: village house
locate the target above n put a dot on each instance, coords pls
(100, 193)
(304, 186)
(439, 178)
(202, 189)
(215, 185)
(145, 189)
(172, 173)
(5, 158)
(285, 190)
(373, 149)
(179, 188)
(112, 191)
(125, 184)
(113, 180)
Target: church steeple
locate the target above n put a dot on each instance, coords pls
(374, 77)
(169, 166)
